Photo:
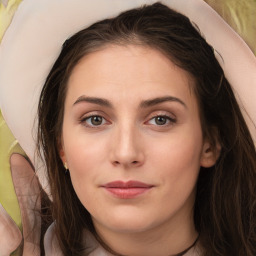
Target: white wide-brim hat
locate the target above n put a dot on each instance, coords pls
(39, 28)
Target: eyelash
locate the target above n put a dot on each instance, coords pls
(168, 121)
(85, 119)
(167, 118)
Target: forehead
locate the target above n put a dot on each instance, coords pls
(128, 71)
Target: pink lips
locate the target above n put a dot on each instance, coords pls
(127, 190)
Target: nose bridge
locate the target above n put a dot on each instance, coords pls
(127, 149)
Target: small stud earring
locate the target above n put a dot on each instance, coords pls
(66, 167)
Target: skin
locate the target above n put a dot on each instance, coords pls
(129, 144)
(10, 234)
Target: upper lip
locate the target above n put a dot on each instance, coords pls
(127, 184)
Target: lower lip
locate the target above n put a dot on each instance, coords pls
(127, 193)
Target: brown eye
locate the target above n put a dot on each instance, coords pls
(160, 120)
(93, 121)
(96, 120)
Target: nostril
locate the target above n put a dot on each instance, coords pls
(133, 162)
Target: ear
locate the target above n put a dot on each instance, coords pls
(62, 151)
(210, 154)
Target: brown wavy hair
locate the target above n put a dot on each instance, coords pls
(225, 205)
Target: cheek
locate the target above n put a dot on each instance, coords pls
(178, 161)
(183, 151)
(85, 156)
(177, 166)
(82, 151)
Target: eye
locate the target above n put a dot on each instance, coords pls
(93, 121)
(161, 120)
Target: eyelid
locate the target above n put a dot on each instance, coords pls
(165, 113)
(171, 118)
(167, 117)
(89, 115)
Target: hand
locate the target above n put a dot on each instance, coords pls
(9, 232)
(28, 194)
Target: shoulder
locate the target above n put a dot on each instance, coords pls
(195, 251)
(51, 245)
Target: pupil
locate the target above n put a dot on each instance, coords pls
(96, 120)
(160, 120)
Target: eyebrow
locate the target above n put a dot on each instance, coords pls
(143, 104)
(159, 100)
(94, 100)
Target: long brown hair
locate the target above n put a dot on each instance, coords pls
(225, 205)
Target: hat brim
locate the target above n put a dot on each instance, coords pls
(34, 39)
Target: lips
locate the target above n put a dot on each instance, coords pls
(127, 190)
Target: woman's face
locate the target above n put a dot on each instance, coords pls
(132, 140)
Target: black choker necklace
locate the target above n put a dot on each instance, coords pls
(186, 250)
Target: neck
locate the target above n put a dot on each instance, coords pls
(169, 239)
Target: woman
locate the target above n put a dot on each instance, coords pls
(145, 146)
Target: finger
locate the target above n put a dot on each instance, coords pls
(9, 232)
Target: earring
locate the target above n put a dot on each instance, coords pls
(66, 167)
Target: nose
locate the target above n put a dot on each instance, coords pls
(127, 147)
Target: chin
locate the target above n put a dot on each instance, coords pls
(129, 222)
